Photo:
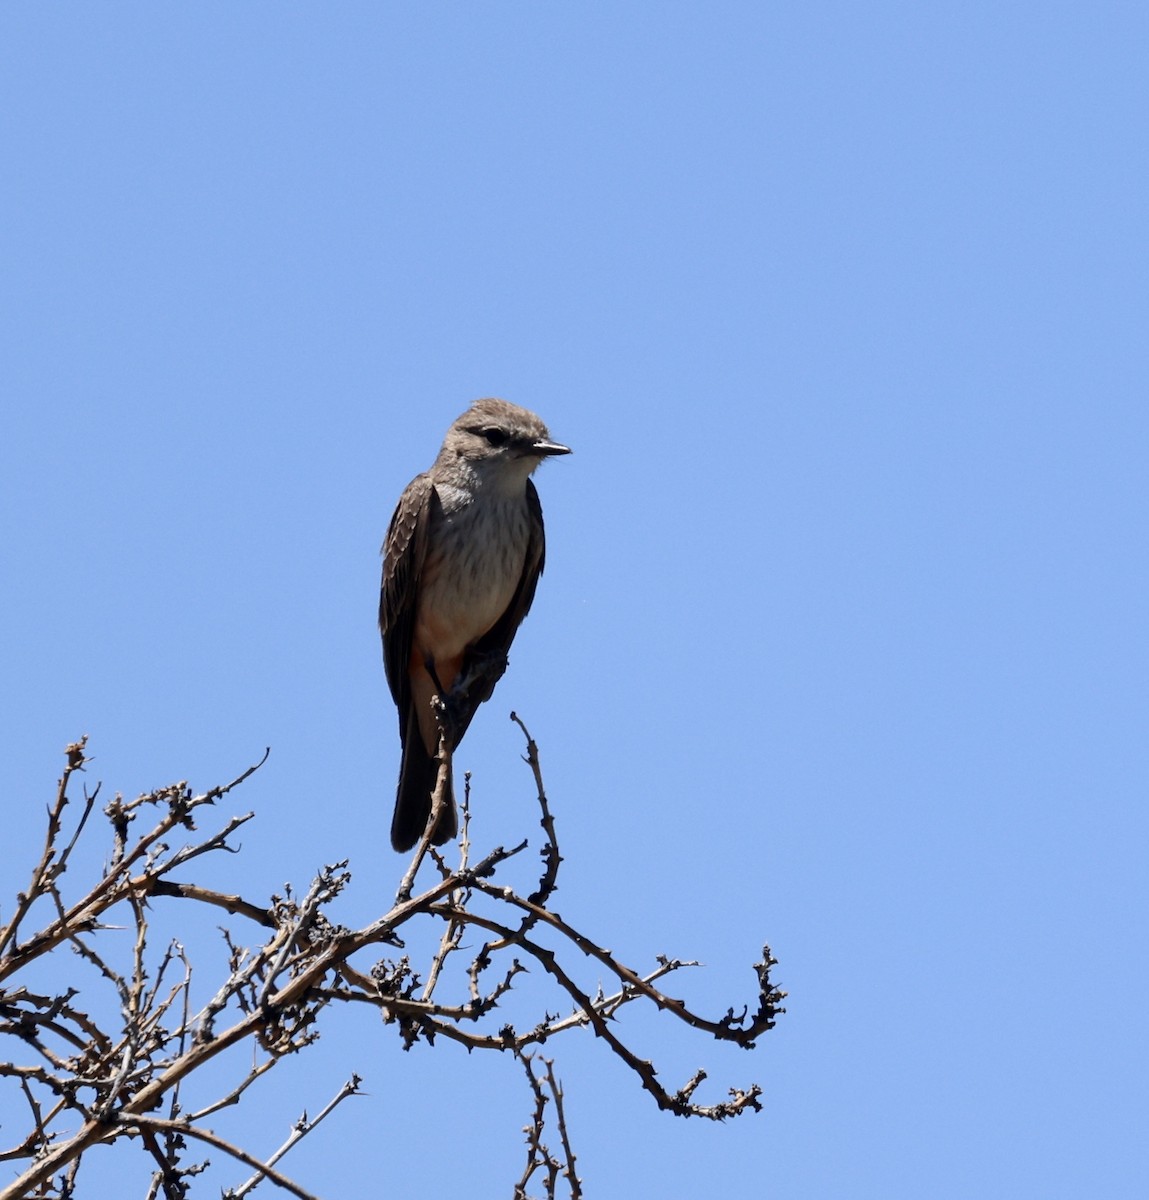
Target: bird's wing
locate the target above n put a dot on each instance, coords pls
(404, 550)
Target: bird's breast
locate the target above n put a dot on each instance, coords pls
(475, 557)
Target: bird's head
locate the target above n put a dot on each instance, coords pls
(498, 438)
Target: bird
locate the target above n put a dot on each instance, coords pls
(461, 561)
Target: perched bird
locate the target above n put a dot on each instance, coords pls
(461, 561)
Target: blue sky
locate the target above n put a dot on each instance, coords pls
(841, 643)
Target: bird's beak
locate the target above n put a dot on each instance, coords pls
(546, 449)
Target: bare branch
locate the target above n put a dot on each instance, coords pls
(185, 1128)
(41, 874)
(302, 1128)
(97, 1063)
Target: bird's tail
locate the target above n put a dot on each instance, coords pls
(417, 777)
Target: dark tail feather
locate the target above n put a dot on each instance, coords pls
(417, 778)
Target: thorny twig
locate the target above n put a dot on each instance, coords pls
(299, 1130)
(546, 1090)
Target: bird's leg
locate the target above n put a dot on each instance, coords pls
(446, 704)
(429, 667)
(454, 708)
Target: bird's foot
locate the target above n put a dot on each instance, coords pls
(484, 670)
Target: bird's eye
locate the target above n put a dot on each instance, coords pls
(495, 437)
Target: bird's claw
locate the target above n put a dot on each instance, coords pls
(484, 670)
